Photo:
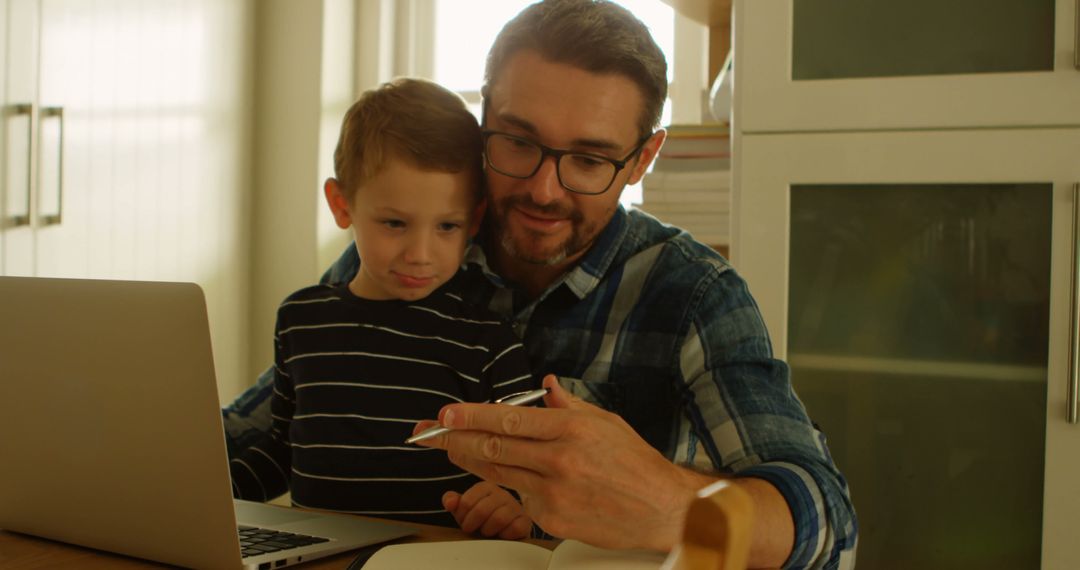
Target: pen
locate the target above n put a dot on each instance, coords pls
(518, 399)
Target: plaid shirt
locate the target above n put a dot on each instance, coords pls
(660, 329)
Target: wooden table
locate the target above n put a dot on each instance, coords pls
(24, 552)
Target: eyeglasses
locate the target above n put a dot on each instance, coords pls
(579, 172)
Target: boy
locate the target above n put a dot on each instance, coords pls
(356, 366)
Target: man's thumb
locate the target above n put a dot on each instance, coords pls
(557, 397)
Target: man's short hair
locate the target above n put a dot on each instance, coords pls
(409, 119)
(595, 35)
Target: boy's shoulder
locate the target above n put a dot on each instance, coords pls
(313, 293)
(452, 301)
(449, 302)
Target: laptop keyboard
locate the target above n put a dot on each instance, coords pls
(255, 541)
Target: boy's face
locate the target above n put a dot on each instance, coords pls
(411, 228)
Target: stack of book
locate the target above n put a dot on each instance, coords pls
(689, 185)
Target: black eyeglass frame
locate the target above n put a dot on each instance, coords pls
(546, 151)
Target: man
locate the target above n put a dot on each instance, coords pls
(666, 380)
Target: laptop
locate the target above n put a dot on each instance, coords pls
(111, 432)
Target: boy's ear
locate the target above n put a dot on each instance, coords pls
(477, 217)
(339, 204)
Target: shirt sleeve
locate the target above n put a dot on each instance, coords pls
(247, 419)
(344, 268)
(260, 472)
(748, 420)
(507, 366)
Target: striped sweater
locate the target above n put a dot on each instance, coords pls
(352, 377)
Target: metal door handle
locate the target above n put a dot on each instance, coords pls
(1076, 38)
(54, 219)
(1072, 402)
(14, 111)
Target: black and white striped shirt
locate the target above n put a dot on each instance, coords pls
(352, 378)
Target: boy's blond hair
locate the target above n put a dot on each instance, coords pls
(411, 119)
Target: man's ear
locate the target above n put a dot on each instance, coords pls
(339, 204)
(477, 217)
(646, 156)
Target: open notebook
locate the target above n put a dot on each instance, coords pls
(510, 555)
(716, 534)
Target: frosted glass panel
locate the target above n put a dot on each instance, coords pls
(918, 334)
(886, 38)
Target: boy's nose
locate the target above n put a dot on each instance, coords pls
(419, 249)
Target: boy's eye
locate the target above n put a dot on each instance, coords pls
(393, 224)
(448, 226)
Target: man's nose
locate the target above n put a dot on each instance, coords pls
(544, 186)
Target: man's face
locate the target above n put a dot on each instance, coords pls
(536, 220)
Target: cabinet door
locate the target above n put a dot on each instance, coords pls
(73, 72)
(3, 125)
(920, 286)
(102, 86)
(153, 162)
(881, 64)
(19, 94)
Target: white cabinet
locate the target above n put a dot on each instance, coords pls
(906, 179)
(880, 64)
(132, 120)
(17, 194)
(919, 284)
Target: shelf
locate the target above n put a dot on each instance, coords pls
(708, 12)
(716, 14)
(910, 367)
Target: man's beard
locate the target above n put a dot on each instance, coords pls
(581, 236)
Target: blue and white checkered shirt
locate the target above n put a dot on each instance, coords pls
(660, 329)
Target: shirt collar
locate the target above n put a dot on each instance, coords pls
(583, 277)
(596, 262)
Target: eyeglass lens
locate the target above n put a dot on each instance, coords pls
(520, 158)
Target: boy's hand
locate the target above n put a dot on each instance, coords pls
(489, 510)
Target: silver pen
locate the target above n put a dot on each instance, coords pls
(518, 399)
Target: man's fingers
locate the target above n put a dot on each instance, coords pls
(556, 397)
(522, 480)
(517, 421)
(423, 425)
(529, 455)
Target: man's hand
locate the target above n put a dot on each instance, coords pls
(489, 510)
(582, 472)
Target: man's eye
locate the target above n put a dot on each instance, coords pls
(587, 162)
(513, 144)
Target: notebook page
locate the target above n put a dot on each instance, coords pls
(461, 555)
(574, 555)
